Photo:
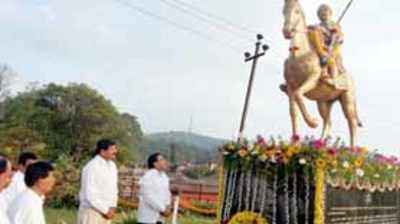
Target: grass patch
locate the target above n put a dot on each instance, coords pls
(60, 216)
(67, 216)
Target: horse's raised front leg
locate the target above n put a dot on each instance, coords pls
(324, 108)
(308, 85)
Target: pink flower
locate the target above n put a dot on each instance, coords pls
(260, 140)
(332, 152)
(295, 138)
(392, 160)
(381, 158)
(318, 144)
(355, 150)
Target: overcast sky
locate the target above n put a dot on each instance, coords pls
(165, 75)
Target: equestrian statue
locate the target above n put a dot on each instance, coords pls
(314, 70)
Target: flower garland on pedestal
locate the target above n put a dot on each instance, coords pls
(319, 203)
(222, 180)
(248, 190)
(255, 192)
(344, 165)
(274, 195)
(264, 184)
(247, 218)
(240, 186)
(286, 200)
(294, 199)
(229, 194)
(250, 165)
(307, 197)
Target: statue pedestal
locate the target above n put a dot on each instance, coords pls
(307, 183)
(281, 197)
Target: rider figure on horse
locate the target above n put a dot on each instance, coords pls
(327, 37)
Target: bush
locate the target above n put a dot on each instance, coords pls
(66, 191)
(204, 204)
(198, 172)
(127, 218)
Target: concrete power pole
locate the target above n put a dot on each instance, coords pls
(253, 58)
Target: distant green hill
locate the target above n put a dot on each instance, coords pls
(182, 146)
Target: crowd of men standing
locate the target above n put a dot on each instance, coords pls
(23, 192)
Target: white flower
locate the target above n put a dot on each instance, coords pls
(250, 146)
(263, 157)
(333, 170)
(376, 175)
(254, 152)
(390, 167)
(273, 160)
(346, 164)
(225, 153)
(302, 161)
(360, 172)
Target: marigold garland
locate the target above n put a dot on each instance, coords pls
(247, 218)
(220, 192)
(319, 201)
(188, 205)
(332, 164)
(342, 162)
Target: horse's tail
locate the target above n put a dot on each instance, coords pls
(283, 88)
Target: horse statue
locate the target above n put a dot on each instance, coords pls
(303, 74)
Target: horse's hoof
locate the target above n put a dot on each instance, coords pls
(313, 123)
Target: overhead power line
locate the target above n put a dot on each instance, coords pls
(216, 17)
(221, 19)
(206, 19)
(186, 28)
(198, 33)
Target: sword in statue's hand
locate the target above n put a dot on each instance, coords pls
(345, 11)
(333, 41)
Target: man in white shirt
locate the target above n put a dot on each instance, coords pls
(27, 207)
(99, 186)
(154, 192)
(5, 178)
(18, 185)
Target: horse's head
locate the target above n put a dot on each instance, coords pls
(294, 18)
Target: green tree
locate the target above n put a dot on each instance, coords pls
(67, 120)
(62, 124)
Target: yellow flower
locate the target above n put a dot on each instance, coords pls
(363, 150)
(263, 157)
(285, 160)
(247, 217)
(358, 162)
(256, 150)
(334, 163)
(288, 154)
(296, 148)
(271, 152)
(292, 150)
(320, 163)
(243, 152)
